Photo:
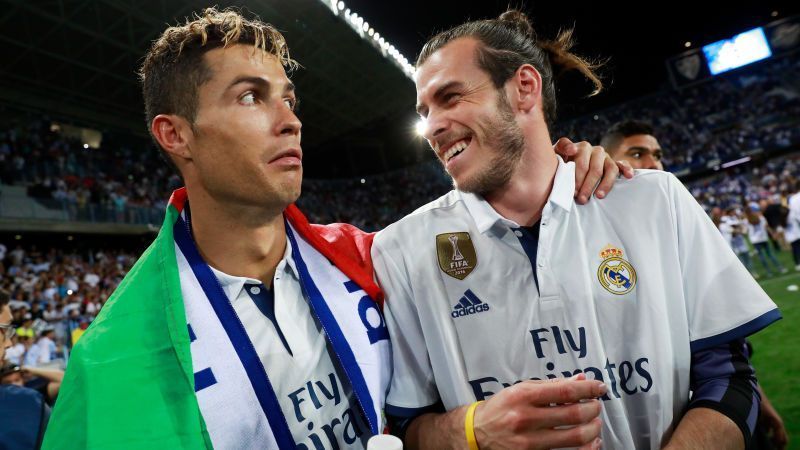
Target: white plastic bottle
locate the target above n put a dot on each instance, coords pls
(384, 442)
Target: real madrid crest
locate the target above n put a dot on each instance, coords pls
(456, 254)
(615, 274)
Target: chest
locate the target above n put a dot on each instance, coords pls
(589, 296)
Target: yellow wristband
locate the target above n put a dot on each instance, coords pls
(469, 426)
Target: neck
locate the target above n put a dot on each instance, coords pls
(236, 239)
(524, 196)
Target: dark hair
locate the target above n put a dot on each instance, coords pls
(173, 69)
(8, 369)
(510, 41)
(613, 136)
(4, 298)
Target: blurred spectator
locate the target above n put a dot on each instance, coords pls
(734, 229)
(793, 224)
(758, 233)
(23, 411)
(15, 353)
(776, 214)
(45, 381)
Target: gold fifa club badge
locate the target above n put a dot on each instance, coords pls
(615, 274)
(456, 254)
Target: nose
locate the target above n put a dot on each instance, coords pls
(289, 123)
(435, 125)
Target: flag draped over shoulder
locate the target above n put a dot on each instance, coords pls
(129, 383)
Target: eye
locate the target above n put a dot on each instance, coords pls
(450, 97)
(636, 155)
(290, 103)
(249, 98)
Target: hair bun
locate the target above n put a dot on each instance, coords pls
(519, 20)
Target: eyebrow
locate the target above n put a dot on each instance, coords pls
(439, 92)
(260, 82)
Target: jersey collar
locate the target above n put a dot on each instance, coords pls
(233, 285)
(561, 196)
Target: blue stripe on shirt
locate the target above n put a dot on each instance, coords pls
(741, 331)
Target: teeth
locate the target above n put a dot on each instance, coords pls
(457, 148)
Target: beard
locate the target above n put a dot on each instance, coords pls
(504, 138)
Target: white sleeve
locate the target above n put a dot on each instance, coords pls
(724, 302)
(413, 389)
(794, 212)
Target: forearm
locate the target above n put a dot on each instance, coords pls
(434, 431)
(50, 374)
(703, 428)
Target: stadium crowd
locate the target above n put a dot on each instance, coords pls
(54, 295)
(712, 122)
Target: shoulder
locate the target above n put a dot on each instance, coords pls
(648, 191)
(425, 218)
(648, 181)
(19, 395)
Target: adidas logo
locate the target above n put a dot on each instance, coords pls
(468, 304)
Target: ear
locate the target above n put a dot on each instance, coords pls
(173, 133)
(528, 87)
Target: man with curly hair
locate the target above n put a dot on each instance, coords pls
(193, 350)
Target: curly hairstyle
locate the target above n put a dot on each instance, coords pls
(173, 69)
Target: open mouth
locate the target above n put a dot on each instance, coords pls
(456, 149)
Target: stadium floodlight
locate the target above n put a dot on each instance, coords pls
(363, 29)
(420, 127)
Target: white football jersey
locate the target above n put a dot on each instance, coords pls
(627, 288)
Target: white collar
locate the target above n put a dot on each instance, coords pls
(562, 196)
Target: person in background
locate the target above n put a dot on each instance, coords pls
(734, 229)
(793, 225)
(45, 381)
(758, 232)
(23, 411)
(635, 142)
